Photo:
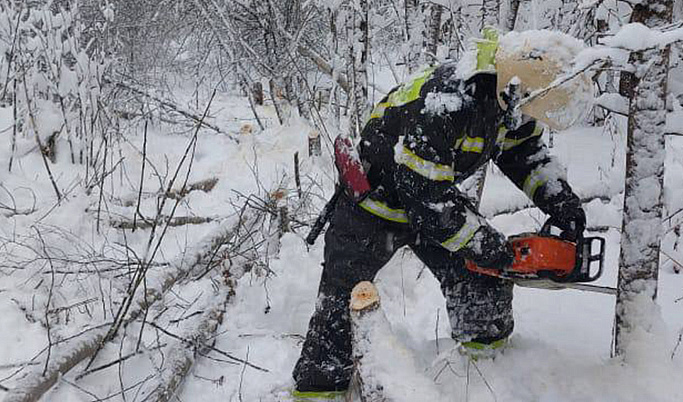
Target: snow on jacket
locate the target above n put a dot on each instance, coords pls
(434, 131)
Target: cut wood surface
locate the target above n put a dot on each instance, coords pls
(364, 297)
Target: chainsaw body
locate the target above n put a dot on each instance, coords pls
(542, 256)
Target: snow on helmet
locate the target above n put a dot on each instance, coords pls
(537, 58)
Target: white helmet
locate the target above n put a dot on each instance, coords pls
(537, 58)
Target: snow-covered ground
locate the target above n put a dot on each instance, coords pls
(560, 350)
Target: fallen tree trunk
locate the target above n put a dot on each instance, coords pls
(206, 186)
(182, 357)
(37, 382)
(202, 185)
(172, 222)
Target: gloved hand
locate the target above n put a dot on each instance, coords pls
(489, 249)
(572, 222)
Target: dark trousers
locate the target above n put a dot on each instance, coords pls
(357, 245)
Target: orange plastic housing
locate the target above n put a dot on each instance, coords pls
(535, 254)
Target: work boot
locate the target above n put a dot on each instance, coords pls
(476, 350)
(318, 396)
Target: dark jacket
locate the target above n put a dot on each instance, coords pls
(431, 133)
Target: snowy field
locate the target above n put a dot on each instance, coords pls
(560, 350)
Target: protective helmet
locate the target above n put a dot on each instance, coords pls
(537, 58)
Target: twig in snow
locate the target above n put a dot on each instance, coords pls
(104, 176)
(436, 330)
(495, 398)
(136, 385)
(612, 110)
(49, 299)
(117, 361)
(85, 391)
(676, 262)
(244, 368)
(120, 366)
(678, 343)
(14, 210)
(220, 352)
(142, 176)
(32, 118)
(15, 365)
(297, 175)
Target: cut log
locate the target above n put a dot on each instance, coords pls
(384, 368)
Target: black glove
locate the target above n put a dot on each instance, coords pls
(572, 222)
(489, 249)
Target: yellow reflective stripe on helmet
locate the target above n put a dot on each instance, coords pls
(509, 143)
(425, 168)
(383, 211)
(475, 144)
(406, 93)
(486, 50)
(465, 234)
(536, 179)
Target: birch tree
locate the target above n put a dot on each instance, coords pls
(641, 227)
(512, 15)
(414, 23)
(433, 35)
(357, 64)
(490, 10)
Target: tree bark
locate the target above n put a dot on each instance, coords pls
(434, 33)
(455, 38)
(569, 14)
(641, 227)
(414, 34)
(512, 15)
(358, 51)
(490, 10)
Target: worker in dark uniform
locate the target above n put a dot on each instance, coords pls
(421, 140)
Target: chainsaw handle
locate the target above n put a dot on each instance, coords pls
(590, 257)
(545, 229)
(550, 223)
(587, 256)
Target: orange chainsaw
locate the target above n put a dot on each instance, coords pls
(543, 260)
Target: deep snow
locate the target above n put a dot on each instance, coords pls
(560, 350)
